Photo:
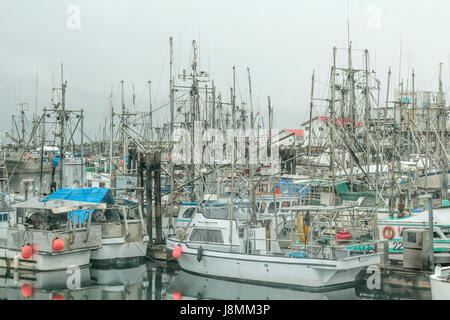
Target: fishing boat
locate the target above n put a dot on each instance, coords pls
(41, 236)
(440, 283)
(391, 229)
(123, 232)
(240, 250)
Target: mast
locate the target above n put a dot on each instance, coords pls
(311, 106)
(35, 109)
(172, 107)
(62, 121)
(367, 110)
(442, 125)
(42, 152)
(124, 151)
(111, 135)
(352, 103)
(82, 148)
(151, 107)
(251, 166)
(332, 122)
(413, 107)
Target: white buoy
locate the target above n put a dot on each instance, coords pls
(437, 270)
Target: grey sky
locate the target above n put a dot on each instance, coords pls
(280, 41)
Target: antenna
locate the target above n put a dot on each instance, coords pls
(400, 63)
(348, 32)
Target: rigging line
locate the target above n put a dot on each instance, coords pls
(163, 67)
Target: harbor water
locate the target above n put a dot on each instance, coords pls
(152, 280)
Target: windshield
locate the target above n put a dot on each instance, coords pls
(239, 213)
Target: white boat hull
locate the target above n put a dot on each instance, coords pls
(275, 270)
(115, 249)
(440, 289)
(45, 262)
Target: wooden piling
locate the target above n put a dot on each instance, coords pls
(157, 177)
(148, 194)
(140, 182)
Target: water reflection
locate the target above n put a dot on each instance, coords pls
(189, 286)
(164, 281)
(121, 284)
(75, 284)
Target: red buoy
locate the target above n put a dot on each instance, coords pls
(58, 244)
(57, 296)
(177, 295)
(177, 252)
(27, 251)
(27, 291)
(344, 236)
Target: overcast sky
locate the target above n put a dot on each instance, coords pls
(280, 41)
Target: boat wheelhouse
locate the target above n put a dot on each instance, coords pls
(42, 236)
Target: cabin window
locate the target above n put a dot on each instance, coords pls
(271, 206)
(89, 183)
(206, 235)
(262, 208)
(188, 213)
(101, 185)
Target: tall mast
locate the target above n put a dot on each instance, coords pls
(367, 109)
(413, 108)
(387, 95)
(332, 122)
(82, 148)
(35, 110)
(251, 166)
(111, 135)
(442, 132)
(62, 119)
(172, 107)
(311, 106)
(352, 104)
(151, 109)
(124, 152)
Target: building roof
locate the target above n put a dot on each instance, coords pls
(297, 132)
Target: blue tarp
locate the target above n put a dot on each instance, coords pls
(93, 195)
(79, 216)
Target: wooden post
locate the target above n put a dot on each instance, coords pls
(157, 177)
(140, 184)
(148, 194)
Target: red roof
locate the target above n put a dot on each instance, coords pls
(297, 132)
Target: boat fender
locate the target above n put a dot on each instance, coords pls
(177, 251)
(199, 254)
(388, 232)
(27, 251)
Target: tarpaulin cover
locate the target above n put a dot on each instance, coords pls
(92, 195)
(79, 216)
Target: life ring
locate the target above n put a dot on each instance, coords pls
(388, 232)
